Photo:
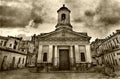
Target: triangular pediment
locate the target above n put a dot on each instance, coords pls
(63, 34)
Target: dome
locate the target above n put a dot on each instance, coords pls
(63, 8)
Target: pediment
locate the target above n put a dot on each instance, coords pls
(63, 34)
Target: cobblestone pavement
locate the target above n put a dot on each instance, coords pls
(25, 74)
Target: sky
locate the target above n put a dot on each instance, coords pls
(99, 18)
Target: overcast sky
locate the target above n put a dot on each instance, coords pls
(96, 17)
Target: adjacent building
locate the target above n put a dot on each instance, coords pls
(29, 48)
(63, 48)
(16, 53)
(10, 56)
(108, 51)
(93, 47)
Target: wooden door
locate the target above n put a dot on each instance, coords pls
(64, 63)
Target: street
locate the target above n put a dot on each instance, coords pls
(25, 74)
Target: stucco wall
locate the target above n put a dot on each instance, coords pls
(9, 58)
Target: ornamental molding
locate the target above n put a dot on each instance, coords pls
(64, 43)
(63, 39)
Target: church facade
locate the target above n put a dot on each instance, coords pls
(63, 48)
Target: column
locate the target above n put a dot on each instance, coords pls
(88, 54)
(71, 56)
(55, 56)
(77, 53)
(50, 54)
(39, 59)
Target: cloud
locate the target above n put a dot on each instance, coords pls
(109, 12)
(97, 17)
(24, 37)
(103, 19)
(78, 7)
(109, 20)
(89, 13)
(18, 13)
(11, 16)
(107, 17)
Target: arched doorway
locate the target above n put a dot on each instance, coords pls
(4, 63)
(13, 63)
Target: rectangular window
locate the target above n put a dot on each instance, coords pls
(114, 44)
(19, 60)
(82, 57)
(1, 43)
(116, 62)
(118, 53)
(111, 44)
(5, 43)
(44, 57)
(10, 45)
(23, 50)
(117, 40)
(23, 61)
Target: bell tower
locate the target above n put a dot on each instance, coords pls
(63, 18)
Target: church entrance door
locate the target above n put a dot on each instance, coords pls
(64, 63)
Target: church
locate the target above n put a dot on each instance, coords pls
(63, 48)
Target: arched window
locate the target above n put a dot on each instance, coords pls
(63, 17)
(4, 63)
(13, 63)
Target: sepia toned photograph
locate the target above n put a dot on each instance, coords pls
(59, 39)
